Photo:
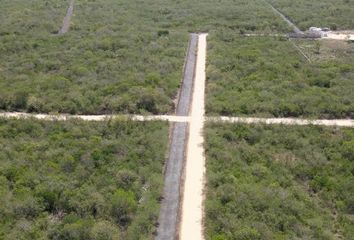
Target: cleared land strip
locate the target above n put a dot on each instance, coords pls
(287, 20)
(185, 119)
(66, 22)
(170, 206)
(192, 206)
(64, 117)
(185, 94)
(300, 51)
(285, 121)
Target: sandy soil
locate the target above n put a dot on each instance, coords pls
(64, 117)
(285, 121)
(192, 206)
(263, 35)
(181, 119)
(67, 18)
(339, 35)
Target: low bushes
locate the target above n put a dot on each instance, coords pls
(80, 180)
(267, 77)
(279, 182)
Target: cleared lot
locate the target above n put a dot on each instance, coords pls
(279, 182)
(80, 180)
(268, 77)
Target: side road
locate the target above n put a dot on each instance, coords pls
(170, 206)
(192, 206)
(64, 117)
(287, 20)
(185, 119)
(285, 121)
(66, 22)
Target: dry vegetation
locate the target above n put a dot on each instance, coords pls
(80, 180)
(279, 182)
(115, 58)
(336, 14)
(268, 77)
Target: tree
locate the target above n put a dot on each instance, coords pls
(123, 206)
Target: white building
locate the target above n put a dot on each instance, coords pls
(320, 31)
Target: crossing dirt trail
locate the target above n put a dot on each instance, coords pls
(285, 121)
(286, 19)
(185, 119)
(64, 117)
(67, 18)
(192, 206)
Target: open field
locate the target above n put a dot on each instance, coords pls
(115, 58)
(324, 51)
(279, 182)
(80, 180)
(336, 14)
(268, 77)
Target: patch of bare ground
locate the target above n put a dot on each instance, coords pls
(326, 49)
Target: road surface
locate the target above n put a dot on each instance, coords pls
(170, 206)
(285, 121)
(287, 20)
(66, 22)
(63, 117)
(192, 206)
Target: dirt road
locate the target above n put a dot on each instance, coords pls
(192, 206)
(185, 96)
(285, 121)
(339, 35)
(170, 206)
(287, 20)
(66, 22)
(63, 117)
(185, 119)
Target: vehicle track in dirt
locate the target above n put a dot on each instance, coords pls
(192, 206)
(284, 121)
(67, 19)
(170, 206)
(183, 119)
(64, 117)
(286, 19)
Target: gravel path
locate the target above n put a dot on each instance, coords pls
(192, 207)
(66, 22)
(169, 213)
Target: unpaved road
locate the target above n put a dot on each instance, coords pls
(170, 206)
(184, 119)
(192, 206)
(339, 35)
(185, 96)
(66, 22)
(64, 117)
(285, 121)
(169, 211)
(287, 20)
